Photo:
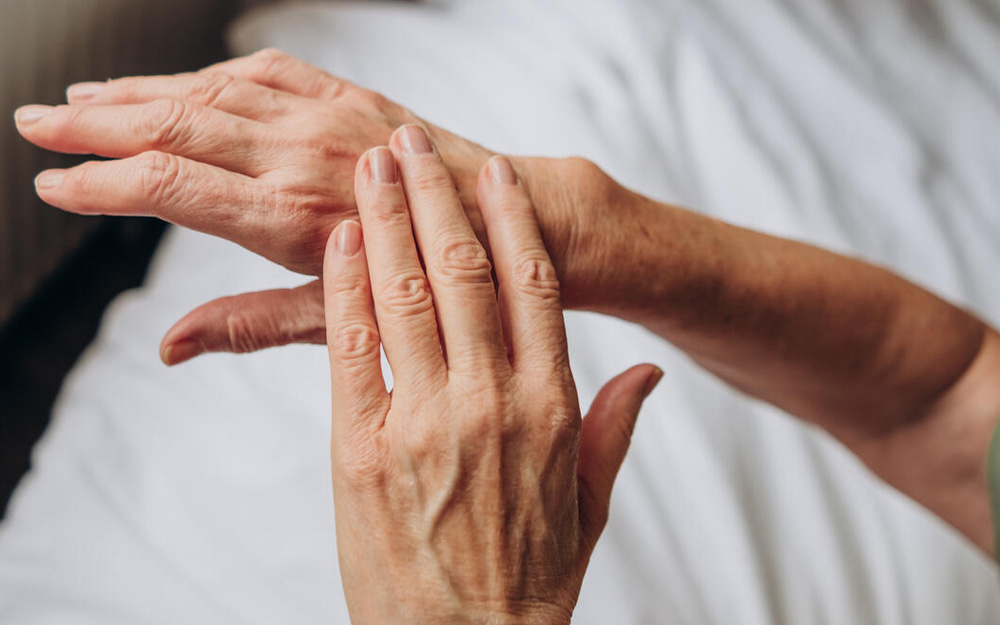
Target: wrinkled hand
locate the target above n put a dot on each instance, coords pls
(472, 493)
(259, 150)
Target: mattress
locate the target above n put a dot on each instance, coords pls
(201, 494)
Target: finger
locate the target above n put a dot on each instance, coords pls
(178, 190)
(214, 89)
(604, 440)
(248, 323)
(358, 389)
(530, 302)
(189, 130)
(457, 265)
(275, 69)
(403, 302)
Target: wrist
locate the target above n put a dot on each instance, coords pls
(940, 459)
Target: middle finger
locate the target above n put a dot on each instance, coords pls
(457, 265)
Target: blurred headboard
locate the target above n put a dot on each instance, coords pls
(44, 46)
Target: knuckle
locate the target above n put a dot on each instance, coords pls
(464, 261)
(385, 213)
(536, 276)
(407, 294)
(508, 205)
(242, 334)
(323, 146)
(355, 341)
(161, 122)
(422, 441)
(433, 180)
(76, 118)
(367, 99)
(268, 60)
(159, 176)
(565, 420)
(208, 88)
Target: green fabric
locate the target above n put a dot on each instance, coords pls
(993, 474)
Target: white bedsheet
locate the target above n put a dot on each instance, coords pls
(201, 494)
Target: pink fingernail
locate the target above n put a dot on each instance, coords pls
(84, 91)
(180, 351)
(50, 179)
(652, 381)
(383, 165)
(349, 238)
(28, 115)
(501, 171)
(415, 140)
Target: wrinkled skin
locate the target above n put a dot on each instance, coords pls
(259, 150)
(473, 493)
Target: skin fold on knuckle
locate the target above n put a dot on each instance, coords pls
(354, 343)
(160, 177)
(269, 62)
(463, 261)
(405, 295)
(208, 88)
(385, 210)
(535, 277)
(162, 124)
(247, 334)
(430, 182)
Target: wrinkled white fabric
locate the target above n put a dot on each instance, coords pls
(201, 494)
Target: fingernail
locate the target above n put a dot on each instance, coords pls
(84, 91)
(349, 238)
(415, 140)
(28, 115)
(652, 381)
(179, 352)
(501, 171)
(50, 179)
(383, 165)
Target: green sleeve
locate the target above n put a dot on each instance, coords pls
(993, 474)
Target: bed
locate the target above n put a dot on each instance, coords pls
(201, 494)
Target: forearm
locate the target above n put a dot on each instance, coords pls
(907, 381)
(840, 342)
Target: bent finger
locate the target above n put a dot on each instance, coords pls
(247, 323)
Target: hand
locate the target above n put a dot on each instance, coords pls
(259, 150)
(472, 492)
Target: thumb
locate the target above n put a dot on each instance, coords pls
(248, 323)
(604, 440)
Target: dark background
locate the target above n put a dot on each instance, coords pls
(49, 332)
(59, 271)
